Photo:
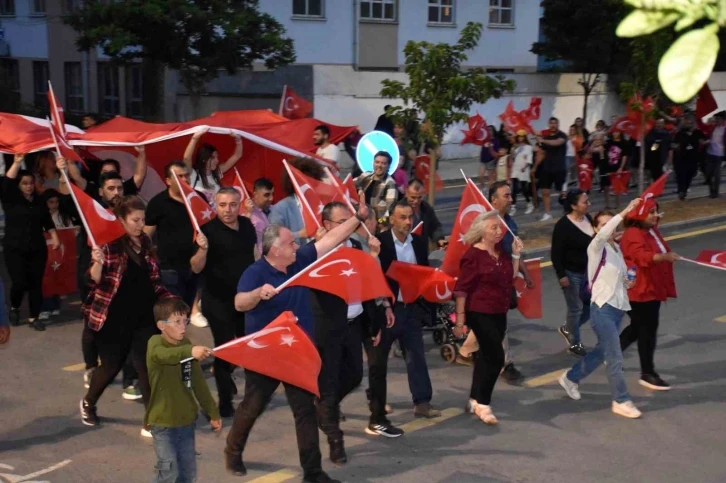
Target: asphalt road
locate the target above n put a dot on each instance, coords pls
(543, 436)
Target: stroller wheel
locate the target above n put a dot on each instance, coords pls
(448, 353)
(439, 336)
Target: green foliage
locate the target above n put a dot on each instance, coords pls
(689, 61)
(640, 75)
(439, 89)
(197, 38)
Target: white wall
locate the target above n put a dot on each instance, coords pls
(498, 47)
(346, 97)
(326, 41)
(26, 35)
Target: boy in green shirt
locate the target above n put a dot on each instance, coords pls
(176, 379)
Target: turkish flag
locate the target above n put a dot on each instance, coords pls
(60, 268)
(57, 117)
(198, 209)
(619, 182)
(529, 300)
(705, 102)
(62, 147)
(293, 106)
(233, 179)
(102, 226)
(711, 258)
(418, 229)
(422, 170)
(627, 126)
(477, 133)
(651, 192)
(584, 175)
(353, 275)
(532, 113)
(311, 204)
(281, 351)
(349, 189)
(515, 121)
(473, 203)
(419, 281)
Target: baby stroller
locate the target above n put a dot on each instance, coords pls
(443, 332)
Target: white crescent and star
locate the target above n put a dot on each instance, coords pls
(715, 259)
(350, 271)
(103, 212)
(471, 209)
(288, 100)
(286, 339)
(446, 294)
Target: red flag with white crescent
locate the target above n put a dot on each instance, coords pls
(418, 281)
(711, 258)
(294, 106)
(418, 229)
(422, 170)
(529, 300)
(198, 209)
(57, 116)
(60, 268)
(619, 182)
(281, 351)
(473, 203)
(349, 189)
(239, 185)
(353, 275)
(101, 225)
(584, 175)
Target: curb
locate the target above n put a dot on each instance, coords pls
(667, 229)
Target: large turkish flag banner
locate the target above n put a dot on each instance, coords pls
(60, 268)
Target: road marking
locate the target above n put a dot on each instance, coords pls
(75, 367)
(695, 233)
(544, 379)
(545, 264)
(421, 423)
(720, 319)
(276, 477)
(11, 478)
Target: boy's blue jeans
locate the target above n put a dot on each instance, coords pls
(175, 454)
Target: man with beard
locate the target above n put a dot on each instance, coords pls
(227, 246)
(326, 150)
(422, 212)
(262, 194)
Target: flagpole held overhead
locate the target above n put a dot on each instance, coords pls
(89, 233)
(287, 282)
(193, 219)
(347, 200)
(488, 206)
(282, 100)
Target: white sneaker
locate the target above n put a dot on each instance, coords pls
(546, 217)
(55, 313)
(199, 320)
(87, 377)
(145, 432)
(572, 389)
(512, 210)
(530, 209)
(44, 316)
(626, 409)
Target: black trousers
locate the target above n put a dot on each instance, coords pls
(713, 174)
(114, 348)
(341, 373)
(643, 328)
(489, 330)
(523, 187)
(258, 392)
(685, 171)
(26, 269)
(227, 324)
(90, 357)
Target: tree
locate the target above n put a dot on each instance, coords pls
(196, 38)
(584, 38)
(440, 91)
(640, 79)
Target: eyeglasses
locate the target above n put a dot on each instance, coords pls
(180, 322)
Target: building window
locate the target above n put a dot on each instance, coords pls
(501, 12)
(7, 7)
(108, 92)
(441, 11)
(134, 91)
(41, 76)
(378, 9)
(307, 8)
(74, 87)
(38, 7)
(10, 80)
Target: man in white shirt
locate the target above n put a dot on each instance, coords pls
(326, 150)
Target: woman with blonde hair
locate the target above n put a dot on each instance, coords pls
(483, 292)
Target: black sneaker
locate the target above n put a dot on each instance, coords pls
(387, 429)
(511, 373)
(88, 414)
(565, 335)
(14, 317)
(337, 452)
(233, 463)
(319, 477)
(226, 409)
(654, 382)
(37, 324)
(577, 350)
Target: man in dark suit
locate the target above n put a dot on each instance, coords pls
(423, 212)
(339, 336)
(399, 244)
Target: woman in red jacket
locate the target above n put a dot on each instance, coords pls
(645, 250)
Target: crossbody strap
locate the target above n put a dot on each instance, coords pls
(599, 267)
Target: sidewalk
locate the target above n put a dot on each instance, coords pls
(450, 169)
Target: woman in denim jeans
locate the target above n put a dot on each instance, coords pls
(570, 239)
(606, 271)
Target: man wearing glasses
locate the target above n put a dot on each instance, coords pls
(167, 217)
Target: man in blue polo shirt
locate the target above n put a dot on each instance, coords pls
(258, 297)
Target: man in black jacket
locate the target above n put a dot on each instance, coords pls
(339, 335)
(423, 212)
(399, 244)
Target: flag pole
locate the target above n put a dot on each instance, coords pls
(347, 200)
(307, 269)
(193, 218)
(470, 182)
(303, 200)
(239, 178)
(282, 100)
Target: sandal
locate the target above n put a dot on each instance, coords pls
(485, 413)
